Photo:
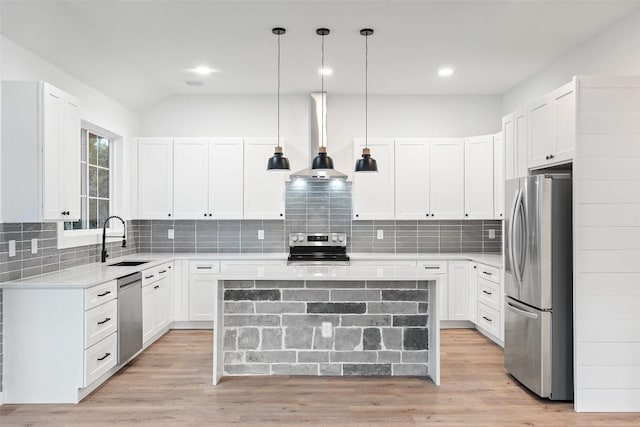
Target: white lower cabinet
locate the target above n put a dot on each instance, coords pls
(439, 268)
(490, 302)
(100, 358)
(458, 290)
(203, 281)
(157, 302)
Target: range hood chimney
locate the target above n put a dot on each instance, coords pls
(318, 140)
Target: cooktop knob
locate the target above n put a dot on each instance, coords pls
(334, 238)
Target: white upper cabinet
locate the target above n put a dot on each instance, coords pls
(514, 133)
(373, 193)
(447, 169)
(263, 189)
(478, 176)
(552, 127)
(498, 176)
(412, 179)
(564, 111)
(190, 178)
(155, 178)
(40, 150)
(226, 178)
(541, 141)
(208, 178)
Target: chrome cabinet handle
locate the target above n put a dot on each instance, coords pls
(105, 356)
(104, 321)
(204, 267)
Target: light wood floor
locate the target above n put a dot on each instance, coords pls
(170, 385)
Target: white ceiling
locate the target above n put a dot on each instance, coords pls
(138, 51)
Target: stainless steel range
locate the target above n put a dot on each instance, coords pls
(318, 249)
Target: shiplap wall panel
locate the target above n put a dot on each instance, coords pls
(608, 284)
(606, 245)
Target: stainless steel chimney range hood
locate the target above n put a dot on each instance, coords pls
(318, 141)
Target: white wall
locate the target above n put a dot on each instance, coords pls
(389, 116)
(96, 107)
(615, 51)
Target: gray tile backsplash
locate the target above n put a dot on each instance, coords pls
(316, 207)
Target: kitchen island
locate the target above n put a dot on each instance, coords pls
(326, 320)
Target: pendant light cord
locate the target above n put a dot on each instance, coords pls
(366, 91)
(322, 92)
(278, 109)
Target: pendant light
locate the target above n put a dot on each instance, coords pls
(366, 163)
(278, 161)
(322, 160)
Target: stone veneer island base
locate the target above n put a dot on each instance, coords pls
(371, 327)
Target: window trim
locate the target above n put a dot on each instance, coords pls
(85, 237)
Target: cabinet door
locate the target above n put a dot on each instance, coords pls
(541, 134)
(458, 290)
(190, 178)
(373, 193)
(412, 178)
(510, 147)
(473, 292)
(446, 163)
(478, 177)
(52, 146)
(521, 142)
(263, 189)
(201, 290)
(226, 178)
(498, 176)
(155, 178)
(70, 158)
(148, 312)
(163, 296)
(564, 110)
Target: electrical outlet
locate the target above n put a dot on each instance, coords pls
(170, 234)
(327, 330)
(12, 248)
(260, 234)
(380, 234)
(34, 246)
(492, 233)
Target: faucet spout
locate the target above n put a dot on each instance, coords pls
(104, 254)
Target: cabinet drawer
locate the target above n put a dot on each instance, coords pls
(100, 322)
(489, 319)
(489, 273)
(100, 294)
(150, 276)
(489, 293)
(437, 267)
(99, 358)
(204, 267)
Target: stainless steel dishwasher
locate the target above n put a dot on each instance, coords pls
(129, 316)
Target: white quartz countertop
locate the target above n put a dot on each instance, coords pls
(93, 274)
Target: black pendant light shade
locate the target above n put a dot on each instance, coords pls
(322, 160)
(366, 163)
(278, 161)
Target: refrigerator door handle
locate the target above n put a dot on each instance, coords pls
(521, 312)
(512, 239)
(525, 237)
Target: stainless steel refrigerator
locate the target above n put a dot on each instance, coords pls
(538, 343)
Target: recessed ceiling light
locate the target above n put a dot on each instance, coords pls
(326, 71)
(202, 70)
(445, 72)
(194, 82)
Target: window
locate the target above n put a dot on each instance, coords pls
(95, 191)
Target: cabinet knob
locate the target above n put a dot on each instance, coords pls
(500, 214)
(551, 156)
(210, 214)
(357, 216)
(168, 214)
(205, 214)
(281, 214)
(466, 214)
(433, 214)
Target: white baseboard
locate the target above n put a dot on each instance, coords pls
(1, 401)
(192, 324)
(456, 324)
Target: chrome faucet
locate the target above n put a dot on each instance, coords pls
(104, 236)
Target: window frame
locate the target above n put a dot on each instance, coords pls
(84, 237)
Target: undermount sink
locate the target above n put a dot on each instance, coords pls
(128, 263)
